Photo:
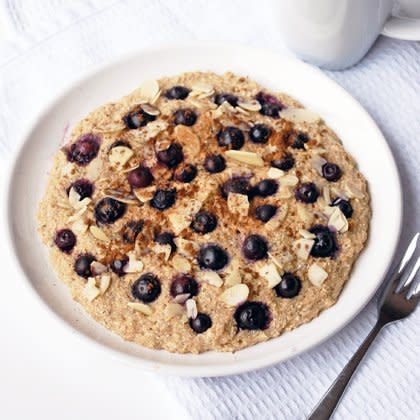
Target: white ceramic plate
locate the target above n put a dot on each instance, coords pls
(359, 133)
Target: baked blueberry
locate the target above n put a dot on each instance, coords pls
(140, 177)
(259, 133)
(325, 242)
(265, 212)
(214, 164)
(172, 156)
(84, 150)
(82, 265)
(108, 210)
(163, 199)
(270, 105)
(297, 140)
(212, 257)
(265, 188)
(185, 117)
(166, 238)
(137, 118)
(226, 97)
(255, 247)
(177, 92)
(118, 264)
(204, 222)
(186, 173)
(289, 286)
(146, 288)
(201, 323)
(83, 187)
(285, 163)
(131, 230)
(183, 284)
(344, 205)
(231, 137)
(307, 192)
(65, 240)
(236, 185)
(252, 316)
(331, 172)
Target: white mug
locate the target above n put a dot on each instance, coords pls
(336, 34)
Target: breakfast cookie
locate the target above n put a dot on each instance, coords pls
(203, 212)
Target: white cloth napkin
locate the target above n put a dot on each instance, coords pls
(55, 41)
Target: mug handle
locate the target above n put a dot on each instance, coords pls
(407, 29)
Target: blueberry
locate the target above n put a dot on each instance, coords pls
(140, 177)
(259, 133)
(166, 238)
(255, 247)
(265, 188)
(307, 192)
(297, 140)
(344, 205)
(265, 212)
(137, 118)
(186, 173)
(325, 243)
(84, 150)
(82, 265)
(83, 187)
(177, 92)
(131, 230)
(65, 240)
(163, 199)
(172, 156)
(285, 163)
(252, 316)
(289, 286)
(183, 284)
(231, 137)
(185, 117)
(226, 97)
(270, 105)
(201, 323)
(236, 185)
(214, 164)
(108, 210)
(204, 222)
(118, 264)
(146, 288)
(331, 172)
(212, 257)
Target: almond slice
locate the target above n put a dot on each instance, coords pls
(182, 298)
(251, 105)
(317, 162)
(166, 250)
(235, 294)
(149, 90)
(140, 307)
(74, 197)
(275, 173)
(98, 233)
(302, 248)
(275, 260)
(201, 87)
(172, 310)
(270, 273)
(77, 216)
(185, 247)
(134, 265)
(191, 307)
(181, 264)
(104, 283)
(150, 109)
(306, 234)
(90, 291)
(317, 275)
(120, 155)
(212, 278)
(97, 268)
(353, 191)
(299, 115)
(338, 221)
(79, 226)
(289, 180)
(250, 158)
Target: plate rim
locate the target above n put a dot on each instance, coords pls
(166, 366)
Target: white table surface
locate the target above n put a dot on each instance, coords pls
(48, 373)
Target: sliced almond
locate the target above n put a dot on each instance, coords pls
(67, 169)
(90, 291)
(251, 105)
(140, 307)
(181, 264)
(186, 247)
(302, 248)
(120, 155)
(289, 180)
(94, 169)
(326, 194)
(182, 298)
(275, 173)
(74, 197)
(250, 158)
(150, 109)
(353, 191)
(275, 260)
(172, 310)
(144, 194)
(306, 234)
(235, 294)
(270, 273)
(80, 227)
(77, 216)
(201, 87)
(317, 162)
(278, 218)
(153, 128)
(299, 115)
(98, 233)
(97, 268)
(166, 250)
(134, 265)
(191, 307)
(238, 204)
(212, 278)
(104, 283)
(317, 275)
(149, 90)
(83, 203)
(338, 221)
